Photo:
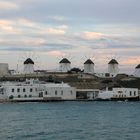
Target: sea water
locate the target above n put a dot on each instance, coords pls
(70, 121)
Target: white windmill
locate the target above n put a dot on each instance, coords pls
(88, 66)
(137, 71)
(28, 66)
(27, 63)
(64, 65)
(113, 66)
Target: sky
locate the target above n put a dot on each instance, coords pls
(49, 30)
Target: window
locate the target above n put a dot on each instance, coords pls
(18, 96)
(130, 93)
(24, 90)
(56, 92)
(107, 75)
(25, 95)
(31, 90)
(96, 94)
(41, 94)
(46, 92)
(61, 92)
(18, 90)
(30, 95)
(12, 89)
(134, 93)
(11, 97)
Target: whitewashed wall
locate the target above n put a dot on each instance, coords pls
(137, 72)
(28, 68)
(64, 67)
(88, 68)
(4, 69)
(113, 68)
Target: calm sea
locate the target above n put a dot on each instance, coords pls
(70, 121)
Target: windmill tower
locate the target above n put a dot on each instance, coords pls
(28, 66)
(64, 65)
(137, 71)
(28, 63)
(113, 67)
(89, 66)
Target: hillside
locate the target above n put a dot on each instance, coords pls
(81, 80)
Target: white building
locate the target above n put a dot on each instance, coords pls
(105, 75)
(88, 66)
(61, 91)
(4, 69)
(64, 65)
(113, 67)
(34, 90)
(120, 94)
(28, 66)
(137, 71)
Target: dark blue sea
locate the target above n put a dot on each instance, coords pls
(70, 121)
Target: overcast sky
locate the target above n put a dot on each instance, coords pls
(48, 30)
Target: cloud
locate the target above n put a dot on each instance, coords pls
(57, 18)
(5, 5)
(29, 42)
(25, 26)
(24, 32)
(26, 22)
(89, 11)
(76, 12)
(6, 27)
(54, 31)
(130, 61)
(56, 53)
(92, 35)
(57, 30)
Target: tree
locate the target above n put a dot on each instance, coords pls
(75, 70)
